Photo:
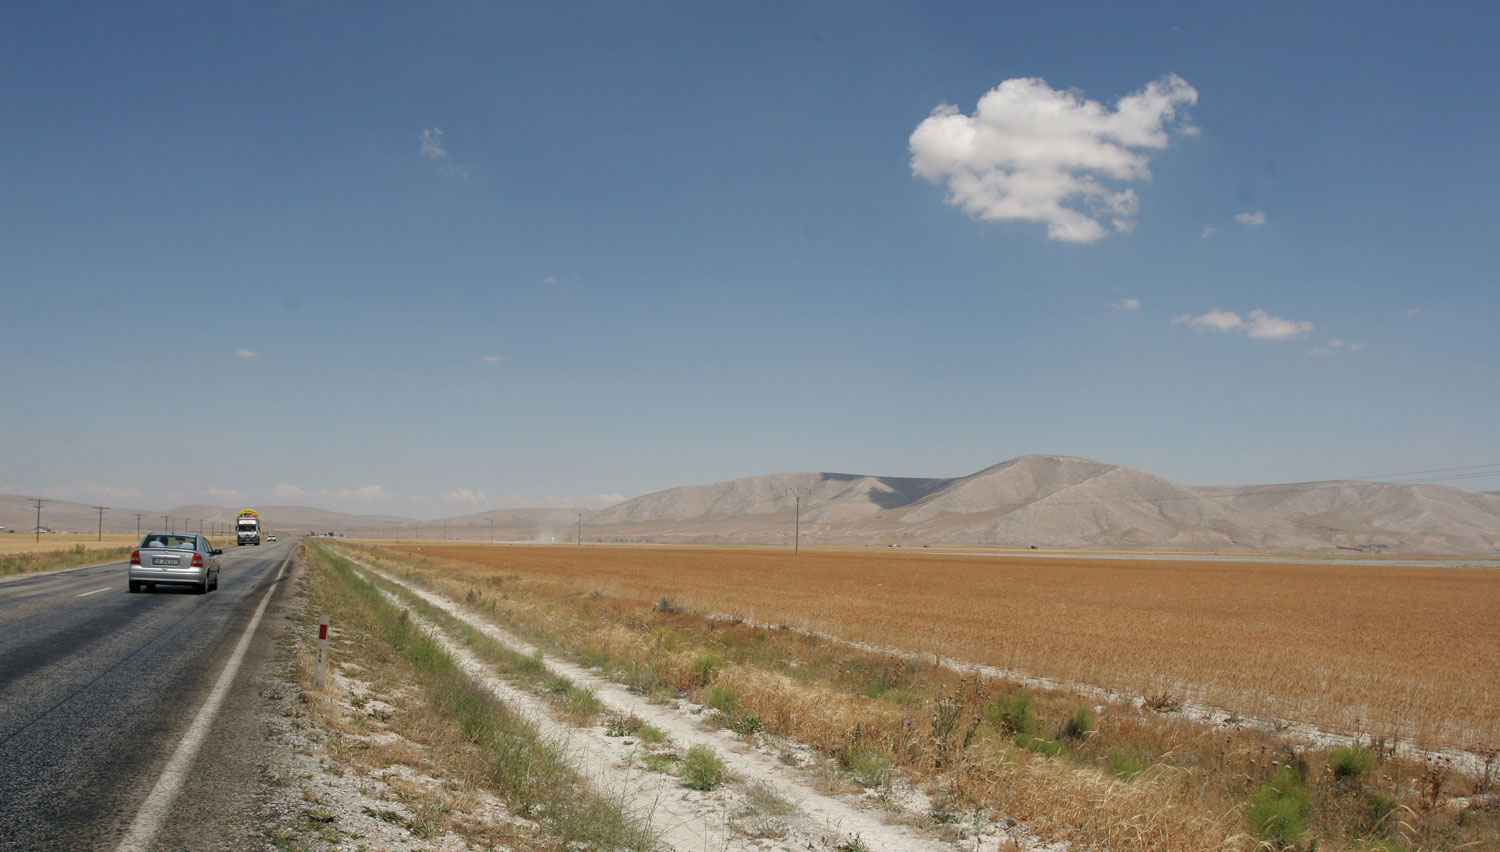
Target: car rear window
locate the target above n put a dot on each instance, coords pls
(177, 542)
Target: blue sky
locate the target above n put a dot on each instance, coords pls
(430, 259)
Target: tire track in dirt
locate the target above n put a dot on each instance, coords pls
(690, 820)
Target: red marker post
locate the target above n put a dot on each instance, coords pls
(322, 650)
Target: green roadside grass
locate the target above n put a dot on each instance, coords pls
(530, 774)
(580, 705)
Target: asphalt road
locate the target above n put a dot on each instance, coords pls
(98, 687)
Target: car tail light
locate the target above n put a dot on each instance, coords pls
(135, 557)
(197, 560)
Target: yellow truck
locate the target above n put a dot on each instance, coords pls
(247, 527)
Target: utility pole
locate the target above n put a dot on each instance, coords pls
(100, 510)
(137, 524)
(492, 530)
(166, 523)
(38, 501)
(580, 526)
(796, 491)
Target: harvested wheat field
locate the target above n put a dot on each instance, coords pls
(63, 541)
(1409, 652)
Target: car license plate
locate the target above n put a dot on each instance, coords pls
(157, 560)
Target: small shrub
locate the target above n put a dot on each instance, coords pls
(651, 735)
(1163, 702)
(666, 605)
(594, 656)
(1079, 725)
(660, 762)
(1122, 764)
(1039, 744)
(533, 664)
(708, 665)
(1350, 761)
(722, 699)
(870, 768)
(1012, 714)
(1375, 812)
(702, 769)
(1279, 808)
(746, 725)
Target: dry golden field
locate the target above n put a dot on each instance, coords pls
(19, 543)
(1375, 649)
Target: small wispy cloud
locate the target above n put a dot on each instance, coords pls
(1335, 346)
(1208, 231)
(1126, 305)
(1251, 220)
(1257, 324)
(432, 143)
(369, 492)
(246, 353)
(433, 148)
(464, 495)
(223, 492)
(550, 279)
(1032, 153)
(1411, 312)
(287, 491)
(493, 359)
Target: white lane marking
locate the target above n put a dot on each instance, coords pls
(148, 820)
(94, 592)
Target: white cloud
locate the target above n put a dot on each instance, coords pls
(433, 148)
(287, 491)
(246, 353)
(1257, 324)
(1033, 153)
(1126, 304)
(550, 279)
(1411, 312)
(90, 492)
(369, 492)
(432, 143)
(464, 495)
(1335, 345)
(1208, 231)
(493, 359)
(1251, 220)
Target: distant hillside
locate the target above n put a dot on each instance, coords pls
(1032, 501)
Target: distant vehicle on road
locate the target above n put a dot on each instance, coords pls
(174, 559)
(270, 538)
(247, 528)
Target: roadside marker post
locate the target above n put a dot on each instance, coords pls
(322, 650)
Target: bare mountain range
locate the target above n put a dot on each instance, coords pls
(1032, 501)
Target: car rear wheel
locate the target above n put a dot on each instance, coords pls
(134, 586)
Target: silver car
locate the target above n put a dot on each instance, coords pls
(174, 559)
